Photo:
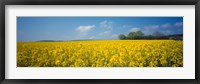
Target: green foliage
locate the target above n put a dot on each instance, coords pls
(156, 35)
(135, 35)
(122, 37)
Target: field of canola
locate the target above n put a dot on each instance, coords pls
(101, 53)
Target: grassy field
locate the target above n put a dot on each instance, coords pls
(105, 53)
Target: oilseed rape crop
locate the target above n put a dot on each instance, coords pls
(101, 53)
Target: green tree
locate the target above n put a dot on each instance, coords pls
(131, 35)
(138, 35)
(122, 37)
(135, 35)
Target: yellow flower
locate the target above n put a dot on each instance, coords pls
(101, 53)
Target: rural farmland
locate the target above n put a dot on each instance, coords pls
(101, 53)
(105, 41)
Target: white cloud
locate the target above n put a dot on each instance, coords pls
(167, 32)
(105, 33)
(151, 27)
(92, 37)
(106, 24)
(114, 36)
(148, 30)
(166, 25)
(178, 24)
(134, 29)
(85, 29)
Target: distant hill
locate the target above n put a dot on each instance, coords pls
(68, 40)
(50, 41)
(174, 37)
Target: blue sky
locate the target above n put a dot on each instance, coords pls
(76, 28)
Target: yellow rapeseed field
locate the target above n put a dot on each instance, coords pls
(101, 53)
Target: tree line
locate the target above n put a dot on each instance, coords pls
(156, 35)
